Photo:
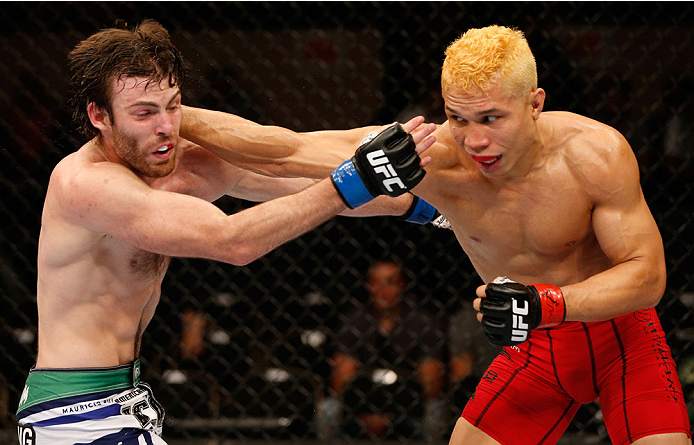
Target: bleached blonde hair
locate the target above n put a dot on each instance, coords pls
(474, 59)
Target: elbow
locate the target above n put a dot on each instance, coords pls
(241, 255)
(657, 278)
(239, 258)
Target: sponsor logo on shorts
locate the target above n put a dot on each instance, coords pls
(490, 376)
(379, 161)
(141, 404)
(26, 435)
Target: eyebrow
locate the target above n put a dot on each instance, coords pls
(479, 113)
(154, 104)
(489, 111)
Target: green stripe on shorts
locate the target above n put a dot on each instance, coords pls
(44, 385)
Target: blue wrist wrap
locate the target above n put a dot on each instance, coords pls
(420, 212)
(350, 186)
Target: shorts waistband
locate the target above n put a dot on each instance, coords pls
(47, 384)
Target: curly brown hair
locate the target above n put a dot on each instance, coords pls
(143, 51)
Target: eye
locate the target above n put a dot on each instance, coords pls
(490, 118)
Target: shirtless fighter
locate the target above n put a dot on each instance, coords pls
(550, 198)
(137, 194)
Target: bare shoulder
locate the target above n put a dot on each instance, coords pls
(83, 171)
(597, 154)
(200, 173)
(79, 183)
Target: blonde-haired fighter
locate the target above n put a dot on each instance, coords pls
(551, 200)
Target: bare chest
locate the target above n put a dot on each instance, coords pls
(521, 228)
(147, 264)
(132, 264)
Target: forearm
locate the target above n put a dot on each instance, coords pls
(260, 188)
(270, 150)
(382, 206)
(191, 227)
(627, 287)
(255, 231)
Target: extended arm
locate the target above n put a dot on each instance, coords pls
(109, 198)
(256, 187)
(270, 150)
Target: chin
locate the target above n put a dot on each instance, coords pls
(161, 171)
(158, 170)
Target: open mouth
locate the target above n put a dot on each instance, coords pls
(164, 151)
(486, 162)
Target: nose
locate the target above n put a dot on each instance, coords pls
(165, 126)
(475, 138)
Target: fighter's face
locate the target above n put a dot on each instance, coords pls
(145, 124)
(493, 127)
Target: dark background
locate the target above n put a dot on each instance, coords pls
(309, 66)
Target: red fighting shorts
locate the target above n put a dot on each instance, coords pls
(530, 392)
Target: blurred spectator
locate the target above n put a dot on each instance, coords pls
(678, 140)
(194, 327)
(665, 145)
(388, 363)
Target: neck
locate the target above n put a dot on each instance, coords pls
(533, 155)
(105, 148)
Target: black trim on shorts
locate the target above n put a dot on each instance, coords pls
(554, 363)
(556, 424)
(624, 377)
(503, 388)
(592, 358)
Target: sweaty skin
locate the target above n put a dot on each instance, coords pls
(119, 207)
(539, 197)
(562, 205)
(546, 197)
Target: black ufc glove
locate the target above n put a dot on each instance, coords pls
(510, 310)
(386, 164)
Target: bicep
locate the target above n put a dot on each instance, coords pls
(622, 221)
(117, 203)
(626, 231)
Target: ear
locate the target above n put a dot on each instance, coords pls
(537, 101)
(98, 117)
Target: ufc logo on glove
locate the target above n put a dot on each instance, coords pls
(379, 160)
(520, 327)
(511, 310)
(390, 154)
